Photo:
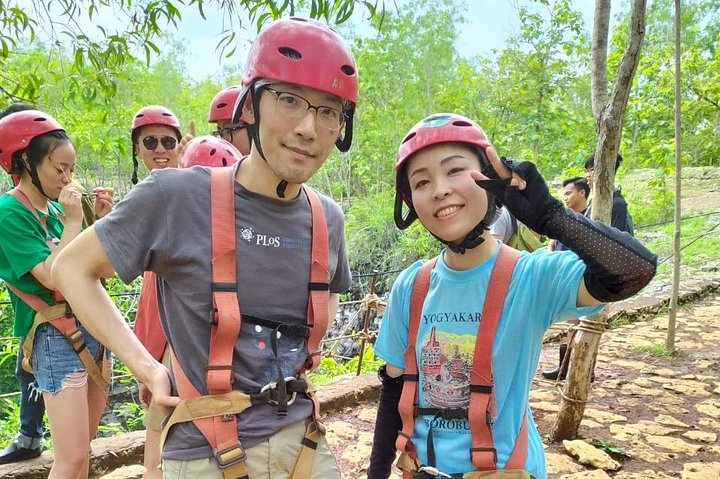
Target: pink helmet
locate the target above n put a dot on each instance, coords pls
(437, 128)
(210, 151)
(304, 52)
(307, 53)
(223, 104)
(155, 115)
(19, 128)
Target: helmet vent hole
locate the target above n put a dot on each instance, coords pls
(348, 70)
(39, 119)
(224, 161)
(221, 105)
(212, 152)
(166, 114)
(409, 137)
(290, 53)
(461, 123)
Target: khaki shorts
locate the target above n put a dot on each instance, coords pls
(273, 458)
(156, 414)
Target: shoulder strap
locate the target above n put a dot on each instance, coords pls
(482, 452)
(35, 302)
(25, 201)
(319, 288)
(408, 397)
(220, 431)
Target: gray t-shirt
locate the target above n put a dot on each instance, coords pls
(502, 226)
(163, 225)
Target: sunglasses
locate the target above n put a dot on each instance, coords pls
(151, 142)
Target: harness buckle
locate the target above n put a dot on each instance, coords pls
(230, 456)
(433, 472)
(273, 386)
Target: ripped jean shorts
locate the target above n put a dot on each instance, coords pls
(53, 358)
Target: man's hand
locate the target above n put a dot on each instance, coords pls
(159, 388)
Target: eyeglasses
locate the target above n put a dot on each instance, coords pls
(151, 142)
(227, 133)
(294, 106)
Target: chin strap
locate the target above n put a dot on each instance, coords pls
(473, 239)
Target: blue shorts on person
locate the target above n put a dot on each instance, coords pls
(54, 359)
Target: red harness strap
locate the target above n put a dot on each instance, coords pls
(66, 324)
(482, 452)
(221, 430)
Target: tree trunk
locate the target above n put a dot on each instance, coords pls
(609, 118)
(670, 340)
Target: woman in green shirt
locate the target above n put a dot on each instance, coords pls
(37, 220)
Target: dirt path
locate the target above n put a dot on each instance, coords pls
(665, 412)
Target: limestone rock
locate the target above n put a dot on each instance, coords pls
(701, 436)
(700, 470)
(603, 417)
(597, 474)
(673, 444)
(561, 463)
(592, 456)
(669, 421)
(711, 407)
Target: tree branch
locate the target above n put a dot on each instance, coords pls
(598, 63)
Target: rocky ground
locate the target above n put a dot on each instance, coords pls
(663, 412)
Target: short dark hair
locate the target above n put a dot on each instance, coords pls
(14, 108)
(580, 183)
(590, 163)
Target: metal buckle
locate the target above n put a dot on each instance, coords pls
(234, 459)
(270, 386)
(433, 472)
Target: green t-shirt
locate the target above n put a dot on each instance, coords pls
(22, 246)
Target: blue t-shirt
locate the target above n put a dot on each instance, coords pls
(542, 291)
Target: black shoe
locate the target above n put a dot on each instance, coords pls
(14, 452)
(561, 370)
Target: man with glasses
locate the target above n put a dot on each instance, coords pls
(221, 111)
(298, 98)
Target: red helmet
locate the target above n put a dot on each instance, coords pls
(437, 128)
(19, 128)
(307, 53)
(304, 52)
(210, 151)
(155, 115)
(223, 104)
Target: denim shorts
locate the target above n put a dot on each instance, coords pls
(53, 358)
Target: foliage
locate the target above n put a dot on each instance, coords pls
(656, 350)
(329, 369)
(107, 36)
(611, 448)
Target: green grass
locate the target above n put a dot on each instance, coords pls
(656, 350)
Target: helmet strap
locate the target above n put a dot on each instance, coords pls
(134, 177)
(34, 178)
(343, 143)
(254, 131)
(473, 239)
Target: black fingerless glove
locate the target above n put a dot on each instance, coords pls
(533, 205)
(387, 425)
(617, 265)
